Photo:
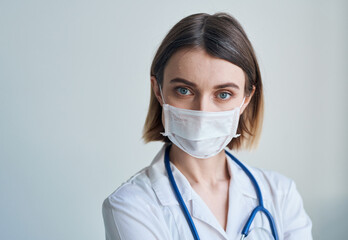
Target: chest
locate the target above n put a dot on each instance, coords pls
(208, 225)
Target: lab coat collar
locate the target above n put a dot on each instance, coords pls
(240, 180)
(161, 185)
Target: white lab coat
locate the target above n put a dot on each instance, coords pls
(145, 207)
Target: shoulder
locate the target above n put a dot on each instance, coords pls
(136, 190)
(139, 187)
(133, 211)
(277, 189)
(273, 183)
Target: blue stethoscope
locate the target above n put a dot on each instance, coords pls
(245, 230)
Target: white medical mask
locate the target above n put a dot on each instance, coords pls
(199, 133)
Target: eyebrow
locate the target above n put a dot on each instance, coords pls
(224, 85)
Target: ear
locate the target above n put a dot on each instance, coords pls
(156, 89)
(247, 100)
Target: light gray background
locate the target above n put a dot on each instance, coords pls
(74, 92)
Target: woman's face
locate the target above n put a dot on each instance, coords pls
(195, 80)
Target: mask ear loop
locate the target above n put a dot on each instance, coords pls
(238, 135)
(162, 133)
(161, 92)
(242, 103)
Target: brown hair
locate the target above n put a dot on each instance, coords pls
(221, 36)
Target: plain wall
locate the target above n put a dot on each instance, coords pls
(75, 87)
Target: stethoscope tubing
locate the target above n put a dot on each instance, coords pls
(179, 197)
(259, 208)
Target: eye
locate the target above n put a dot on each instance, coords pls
(183, 91)
(224, 95)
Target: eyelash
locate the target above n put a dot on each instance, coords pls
(177, 90)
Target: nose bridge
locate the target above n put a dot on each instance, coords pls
(203, 103)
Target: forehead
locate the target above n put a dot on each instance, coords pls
(195, 65)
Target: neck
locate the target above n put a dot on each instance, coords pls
(200, 171)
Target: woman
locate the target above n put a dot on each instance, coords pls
(206, 95)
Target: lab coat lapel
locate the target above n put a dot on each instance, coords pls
(161, 184)
(239, 197)
(202, 212)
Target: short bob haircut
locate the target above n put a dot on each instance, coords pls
(221, 36)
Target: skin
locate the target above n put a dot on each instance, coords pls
(208, 177)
